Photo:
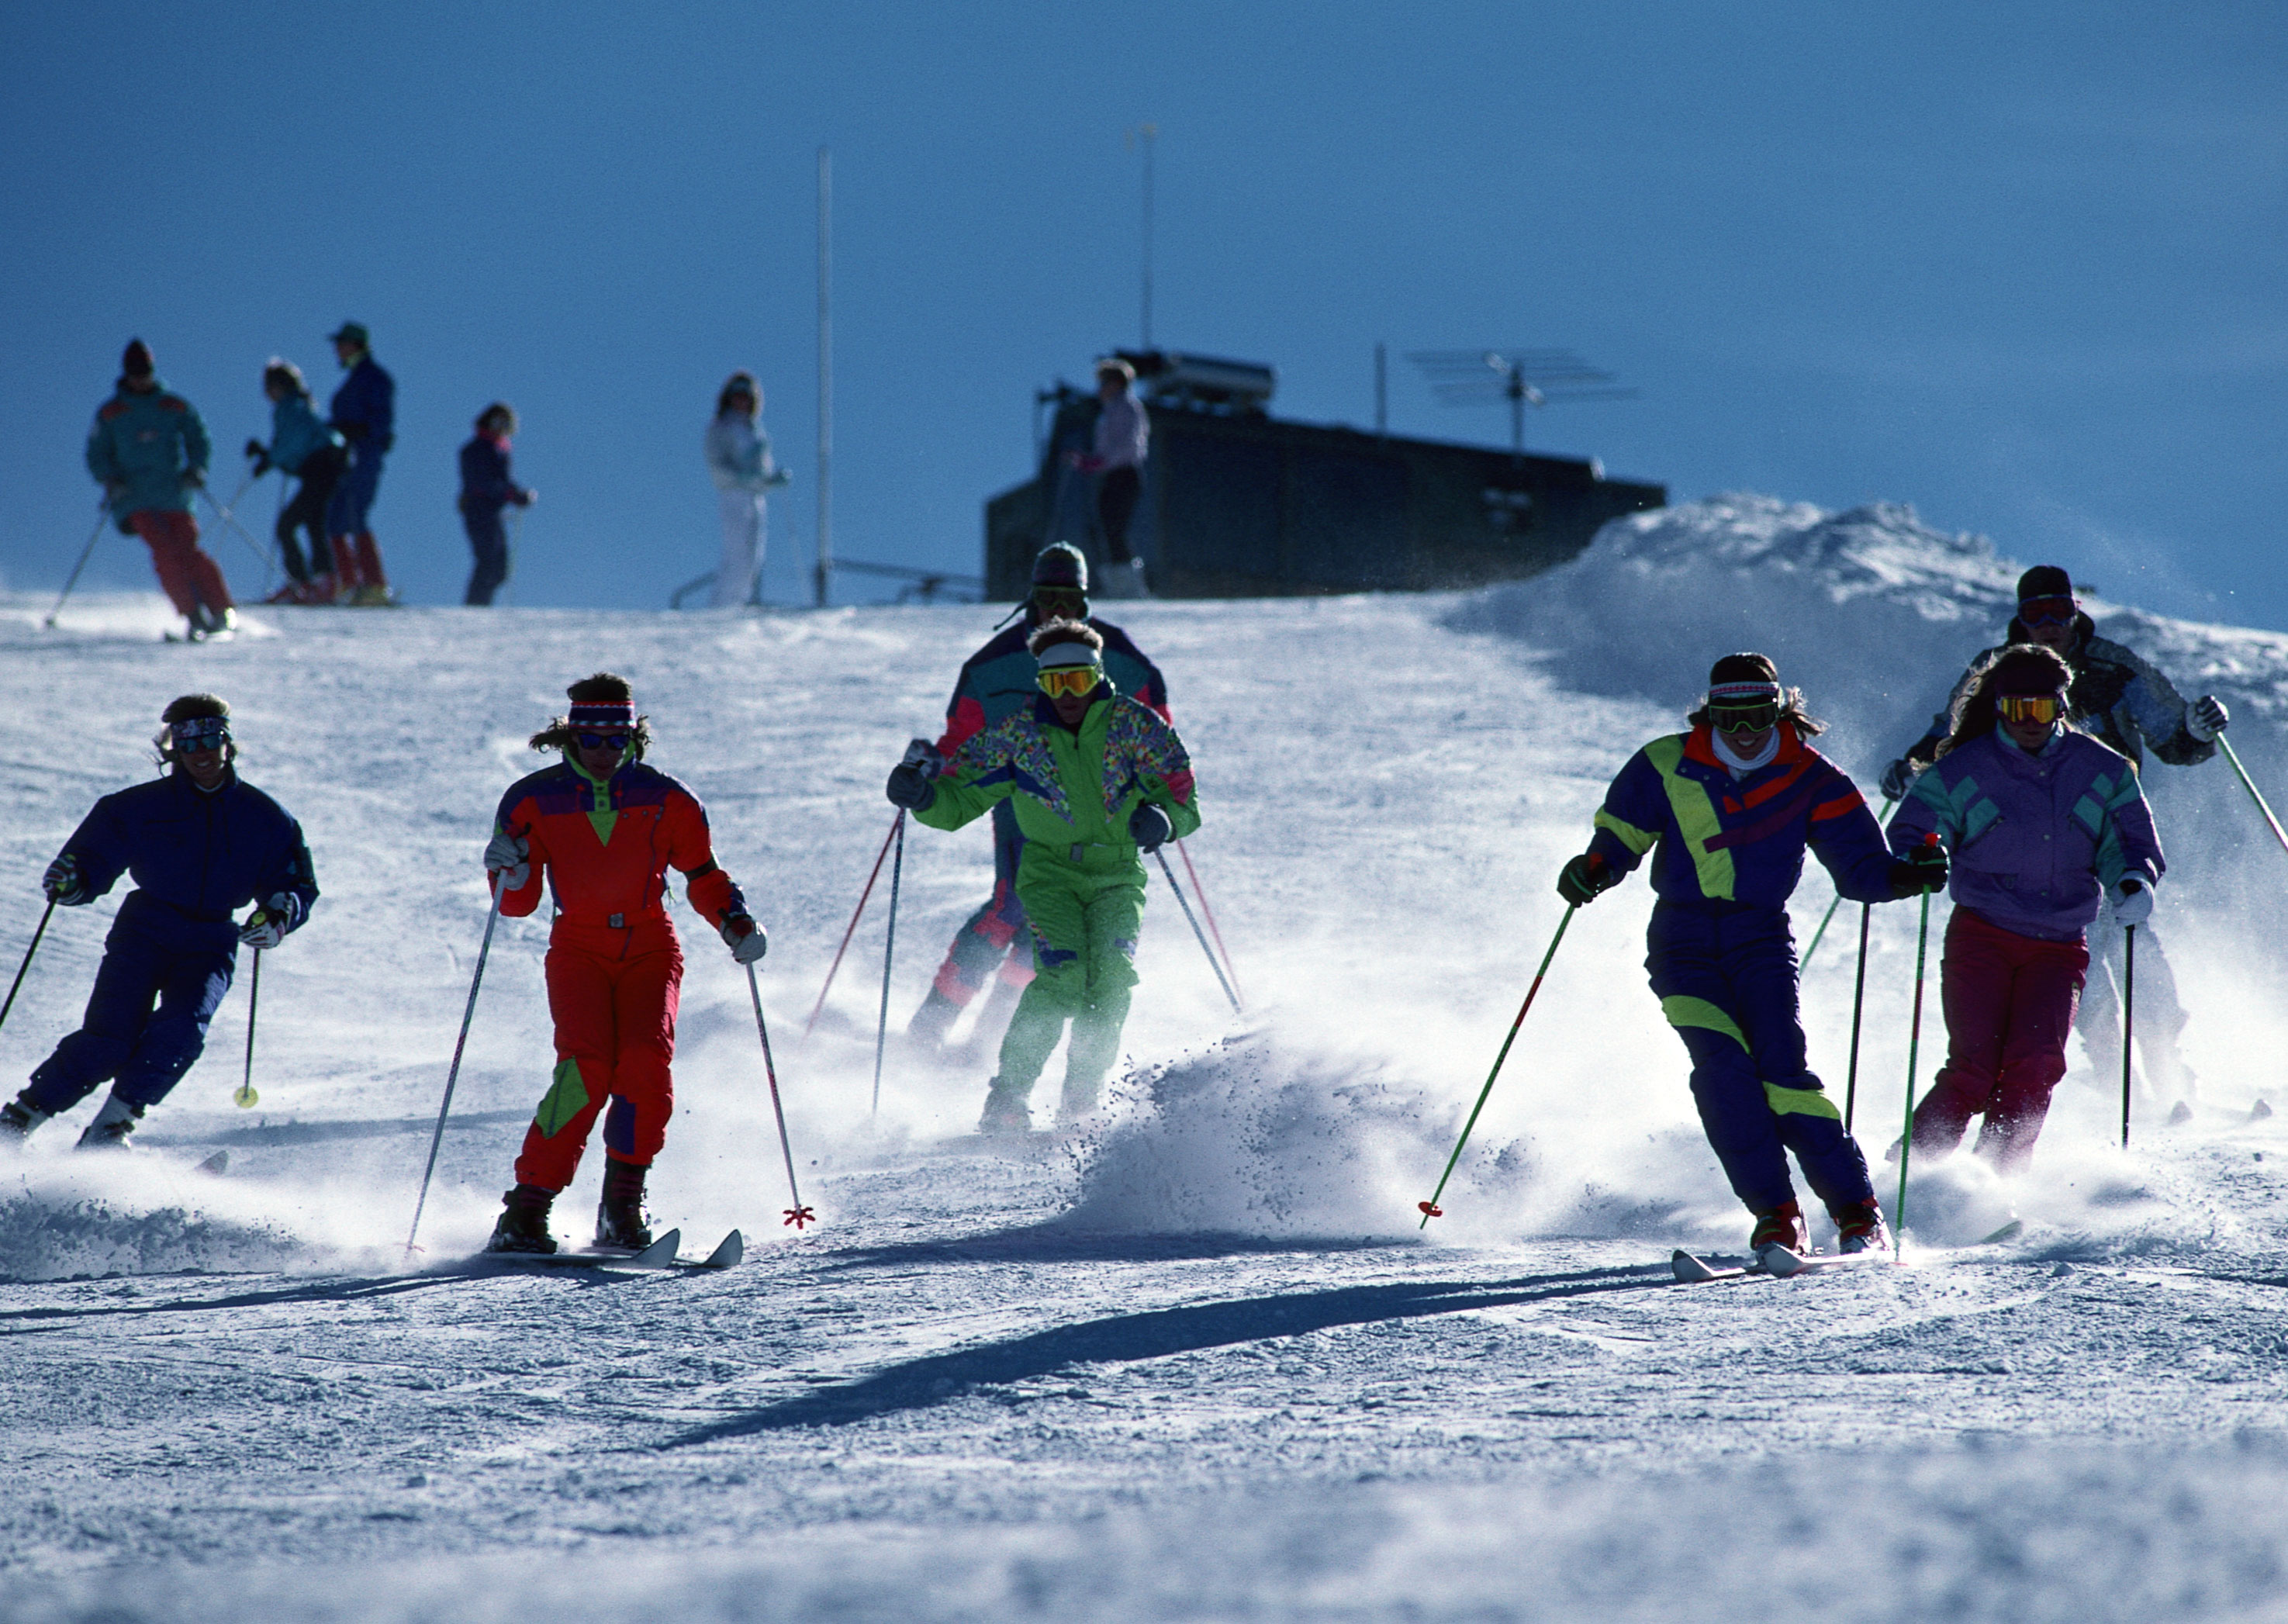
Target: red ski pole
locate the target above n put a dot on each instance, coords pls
(896, 824)
(1200, 891)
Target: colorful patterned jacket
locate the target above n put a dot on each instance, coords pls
(1073, 791)
(2033, 835)
(998, 681)
(606, 847)
(1729, 840)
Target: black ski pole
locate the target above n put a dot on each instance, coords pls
(85, 553)
(246, 1097)
(2128, 1018)
(46, 914)
(1184, 903)
(889, 947)
(492, 917)
(1858, 1007)
(797, 1215)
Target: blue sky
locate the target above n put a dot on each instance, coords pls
(2019, 265)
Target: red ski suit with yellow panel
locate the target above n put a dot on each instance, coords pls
(614, 967)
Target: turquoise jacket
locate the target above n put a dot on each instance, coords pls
(295, 433)
(144, 449)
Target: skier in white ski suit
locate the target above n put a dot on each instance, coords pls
(739, 460)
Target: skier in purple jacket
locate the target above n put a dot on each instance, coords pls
(2042, 823)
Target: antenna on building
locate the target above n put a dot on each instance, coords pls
(1522, 377)
(1147, 134)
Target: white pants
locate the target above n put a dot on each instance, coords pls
(744, 521)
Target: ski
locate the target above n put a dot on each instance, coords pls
(659, 1255)
(1773, 1263)
(2011, 1231)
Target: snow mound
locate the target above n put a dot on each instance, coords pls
(44, 1237)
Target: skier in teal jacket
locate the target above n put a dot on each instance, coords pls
(148, 451)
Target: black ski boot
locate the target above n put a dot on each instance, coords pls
(621, 1220)
(523, 1225)
(20, 1116)
(111, 1127)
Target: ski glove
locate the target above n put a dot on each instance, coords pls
(1898, 777)
(746, 939)
(62, 882)
(2133, 902)
(268, 924)
(2207, 719)
(910, 787)
(1584, 877)
(1149, 826)
(506, 855)
(1920, 871)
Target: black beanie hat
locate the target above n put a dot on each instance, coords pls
(1742, 668)
(136, 362)
(2044, 580)
(1061, 565)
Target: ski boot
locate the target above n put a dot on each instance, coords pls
(111, 1127)
(1782, 1226)
(1006, 1116)
(19, 1117)
(933, 1021)
(621, 1220)
(523, 1225)
(1859, 1227)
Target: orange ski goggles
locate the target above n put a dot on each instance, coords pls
(1079, 681)
(2043, 707)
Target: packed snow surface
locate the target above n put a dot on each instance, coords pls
(1202, 1361)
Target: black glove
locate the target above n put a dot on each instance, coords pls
(2207, 719)
(1921, 870)
(1898, 777)
(1580, 880)
(1149, 826)
(910, 787)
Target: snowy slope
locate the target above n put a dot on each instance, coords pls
(1206, 1365)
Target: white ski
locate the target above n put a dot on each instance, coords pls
(1773, 1262)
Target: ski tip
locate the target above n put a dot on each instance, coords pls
(659, 1254)
(2182, 1114)
(1780, 1261)
(727, 1252)
(2261, 1109)
(2011, 1231)
(215, 1165)
(1690, 1268)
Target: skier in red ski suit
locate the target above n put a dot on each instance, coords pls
(606, 828)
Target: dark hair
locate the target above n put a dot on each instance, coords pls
(1065, 631)
(499, 408)
(603, 687)
(2023, 667)
(287, 373)
(739, 383)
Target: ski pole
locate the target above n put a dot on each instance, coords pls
(1829, 917)
(895, 825)
(452, 1075)
(45, 915)
(1858, 1007)
(797, 1215)
(889, 949)
(245, 1097)
(1196, 931)
(2128, 1018)
(515, 535)
(86, 552)
(1201, 891)
(1914, 1040)
(2223, 744)
(227, 518)
(1430, 1209)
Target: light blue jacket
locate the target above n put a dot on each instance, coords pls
(295, 433)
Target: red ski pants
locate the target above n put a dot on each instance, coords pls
(187, 575)
(2009, 1008)
(615, 1038)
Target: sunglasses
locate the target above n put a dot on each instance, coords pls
(1079, 681)
(1745, 718)
(604, 741)
(1060, 603)
(2043, 707)
(202, 733)
(2047, 611)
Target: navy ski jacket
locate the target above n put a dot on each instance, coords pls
(364, 408)
(195, 858)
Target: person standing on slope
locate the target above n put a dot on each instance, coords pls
(148, 451)
(301, 447)
(1124, 439)
(1731, 807)
(199, 843)
(605, 830)
(1097, 778)
(2121, 700)
(739, 461)
(486, 488)
(994, 683)
(2042, 821)
(364, 414)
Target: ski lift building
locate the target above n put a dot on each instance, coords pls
(1237, 503)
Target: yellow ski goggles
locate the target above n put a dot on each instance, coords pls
(1079, 681)
(2044, 707)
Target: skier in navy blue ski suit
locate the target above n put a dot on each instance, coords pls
(198, 844)
(1731, 807)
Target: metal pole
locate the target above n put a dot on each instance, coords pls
(1207, 909)
(46, 914)
(1221, 981)
(889, 949)
(797, 1215)
(492, 918)
(2128, 1018)
(1150, 134)
(2223, 744)
(896, 823)
(1858, 1008)
(95, 536)
(227, 518)
(246, 1098)
(1381, 388)
(825, 571)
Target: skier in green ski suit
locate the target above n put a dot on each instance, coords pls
(1096, 779)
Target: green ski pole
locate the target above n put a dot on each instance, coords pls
(1828, 918)
(1430, 1209)
(1914, 1043)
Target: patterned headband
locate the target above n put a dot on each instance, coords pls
(603, 713)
